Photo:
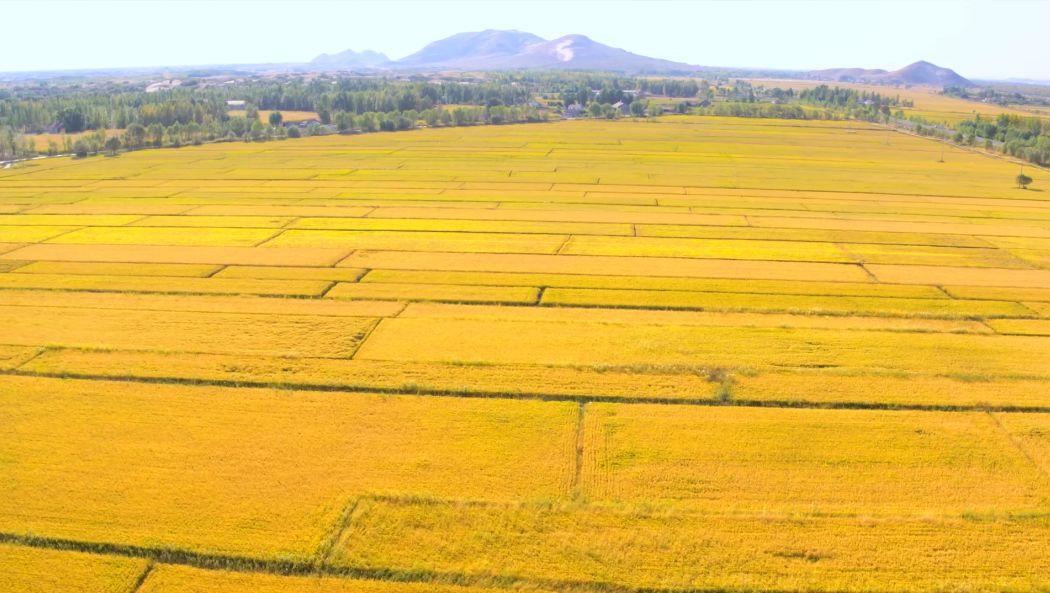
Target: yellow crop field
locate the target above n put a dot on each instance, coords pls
(806, 304)
(276, 491)
(593, 343)
(164, 284)
(683, 353)
(287, 116)
(30, 570)
(180, 579)
(435, 292)
(810, 288)
(117, 269)
(705, 552)
(906, 463)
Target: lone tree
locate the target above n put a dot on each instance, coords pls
(276, 118)
(112, 145)
(1023, 181)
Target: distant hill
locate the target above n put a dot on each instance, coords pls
(488, 47)
(350, 59)
(919, 73)
(578, 52)
(511, 50)
(926, 73)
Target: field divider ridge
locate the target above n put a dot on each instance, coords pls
(142, 578)
(288, 567)
(418, 391)
(1018, 445)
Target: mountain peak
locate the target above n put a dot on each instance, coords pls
(923, 72)
(495, 49)
(470, 46)
(351, 59)
(918, 73)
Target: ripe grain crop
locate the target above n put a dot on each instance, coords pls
(679, 353)
(30, 570)
(520, 342)
(436, 292)
(180, 579)
(270, 487)
(650, 549)
(655, 283)
(783, 303)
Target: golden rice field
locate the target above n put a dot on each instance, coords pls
(287, 116)
(677, 355)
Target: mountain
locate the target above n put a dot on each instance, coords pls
(919, 73)
(350, 59)
(467, 48)
(578, 52)
(926, 73)
(517, 50)
(845, 74)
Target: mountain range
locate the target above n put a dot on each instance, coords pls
(920, 72)
(518, 50)
(509, 50)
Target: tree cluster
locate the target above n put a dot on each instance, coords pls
(1027, 138)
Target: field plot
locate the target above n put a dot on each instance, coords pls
(681, 354)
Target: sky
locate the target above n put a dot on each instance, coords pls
(969, 37)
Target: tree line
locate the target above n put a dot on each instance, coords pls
(1026, 138)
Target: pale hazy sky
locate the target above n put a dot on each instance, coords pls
(982, 39)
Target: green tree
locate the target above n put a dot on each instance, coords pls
(112, 145)
(155, 131)
(72, 120)
(135, 136)
(276, 118)
(81, 148)
(1023, 181)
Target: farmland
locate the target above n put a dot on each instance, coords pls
(677, 354)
